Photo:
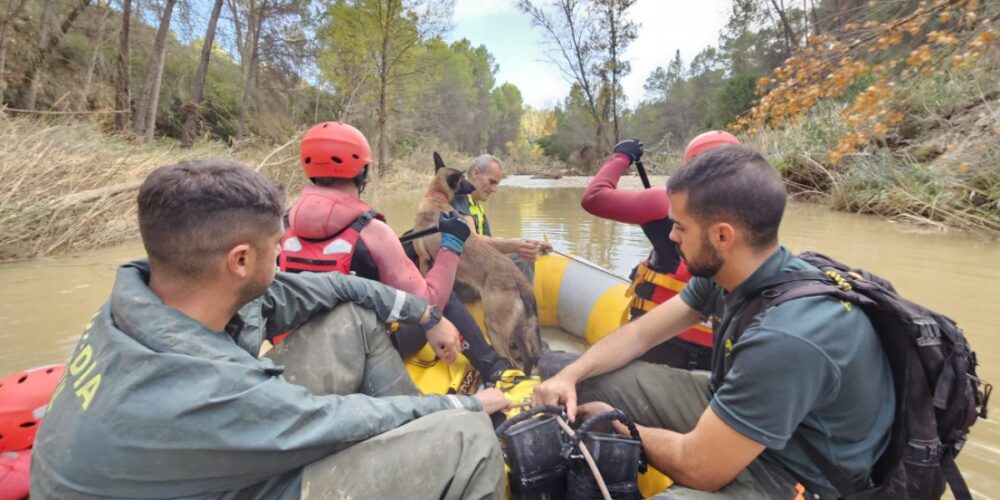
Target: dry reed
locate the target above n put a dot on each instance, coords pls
(67, 187)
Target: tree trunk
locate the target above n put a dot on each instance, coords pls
(192, 110)
(144, 119)
(249, 55)
(791, 40)
(89, 78)
(123, 97)
(613, 48)
(48, 44)
(382, 90)
(11, 15)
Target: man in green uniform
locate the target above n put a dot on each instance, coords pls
(165, 396)
(811, 369)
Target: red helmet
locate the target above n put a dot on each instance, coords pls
(707, 141)
(334, 149)
(24, 397)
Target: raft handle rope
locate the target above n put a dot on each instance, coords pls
(588, 457)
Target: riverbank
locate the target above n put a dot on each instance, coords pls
(68, 187)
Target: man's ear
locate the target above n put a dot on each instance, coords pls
(722, 235)
(240, 260)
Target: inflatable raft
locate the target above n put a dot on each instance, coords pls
(579, 302)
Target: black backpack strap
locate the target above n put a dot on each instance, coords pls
(782, 288)
(955, 480)
(829, 470)
(363, 220)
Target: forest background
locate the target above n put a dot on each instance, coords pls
(887, 107)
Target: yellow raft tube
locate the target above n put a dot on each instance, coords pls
(579, 303)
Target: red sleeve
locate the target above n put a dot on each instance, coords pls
(603, 199)
(398, 271)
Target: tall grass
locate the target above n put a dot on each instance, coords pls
(67, 187)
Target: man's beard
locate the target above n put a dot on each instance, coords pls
(707, 264)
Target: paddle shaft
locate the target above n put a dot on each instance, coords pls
(642, 174)
(419, 234)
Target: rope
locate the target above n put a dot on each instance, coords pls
(590, 459)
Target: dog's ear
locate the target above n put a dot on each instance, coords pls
(438, 162)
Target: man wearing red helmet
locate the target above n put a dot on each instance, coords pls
(331, 229)
(662, 275)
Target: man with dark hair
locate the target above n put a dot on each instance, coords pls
(165, 396)
(810, 370)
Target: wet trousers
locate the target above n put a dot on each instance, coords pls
(655, 395)
(450, 454)
(409, 339)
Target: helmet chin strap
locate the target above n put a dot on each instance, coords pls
(362, 180)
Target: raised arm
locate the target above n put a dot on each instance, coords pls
(619, 348)
(293, 299)
(398, 271)
(603, 199)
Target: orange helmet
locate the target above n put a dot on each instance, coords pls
(24, 397)
(334, 149)
(707, 141)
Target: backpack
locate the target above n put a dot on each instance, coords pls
(938, 395)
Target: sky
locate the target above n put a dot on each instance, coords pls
(664, 27)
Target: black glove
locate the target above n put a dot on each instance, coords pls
(631, 148)
(454, 224)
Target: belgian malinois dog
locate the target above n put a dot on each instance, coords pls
(511, 314)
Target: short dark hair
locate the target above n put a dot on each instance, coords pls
(194, 211)
(737, 185)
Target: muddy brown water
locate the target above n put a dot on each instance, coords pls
(45, 303)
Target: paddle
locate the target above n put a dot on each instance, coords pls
(419, 234)
(642, 174)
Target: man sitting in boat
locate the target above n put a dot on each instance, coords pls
(331, 229)
(165, 396)
(812, 369)
(484, 173)
(662, 275)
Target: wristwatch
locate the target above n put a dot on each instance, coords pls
(435, 317)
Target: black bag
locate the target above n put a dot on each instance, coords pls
(938, 395)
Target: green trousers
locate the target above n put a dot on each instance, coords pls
(659, 396)
(448, 455)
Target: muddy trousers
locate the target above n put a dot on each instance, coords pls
(450, 454)
(655, 395)
(409, 339)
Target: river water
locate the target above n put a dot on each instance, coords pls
(45, 303)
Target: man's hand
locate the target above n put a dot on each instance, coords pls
(587, 410)
(445, 340)
(557, 391)
(529, 249)
(493, 400)
(631, 148)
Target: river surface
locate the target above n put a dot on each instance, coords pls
(45, 303)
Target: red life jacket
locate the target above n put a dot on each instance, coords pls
(333, 254)
(650, 288)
